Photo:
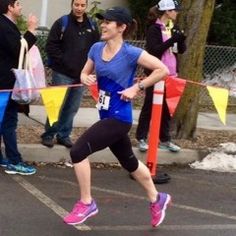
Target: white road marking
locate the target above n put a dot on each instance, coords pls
(185, 207)
(164, 227)
(199, 210)
(46, 200)
(61, 212)
(202, 182)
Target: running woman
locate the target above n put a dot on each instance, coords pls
(114, 62)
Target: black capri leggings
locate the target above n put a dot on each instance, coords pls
(110, 133)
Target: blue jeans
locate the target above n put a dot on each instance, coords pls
(63, 127)
(8, 133)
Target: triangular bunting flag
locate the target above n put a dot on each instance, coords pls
(220, 99)
(53, 99)
(4, 97)
(174, 90)
(94, 91)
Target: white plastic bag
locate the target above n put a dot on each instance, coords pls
(37, 66)
(24, 91)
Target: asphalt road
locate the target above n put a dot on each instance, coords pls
(203, 204)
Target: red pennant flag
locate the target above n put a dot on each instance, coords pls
(94, 91)
(174, 90)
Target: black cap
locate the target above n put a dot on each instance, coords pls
(118, 14)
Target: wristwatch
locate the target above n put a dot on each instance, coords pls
(141, 86)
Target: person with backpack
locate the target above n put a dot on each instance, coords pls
(165, 41)
(68, 43)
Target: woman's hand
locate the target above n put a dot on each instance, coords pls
(129, 93)
(89, 79)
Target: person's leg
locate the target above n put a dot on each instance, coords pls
(8, 131)
(158, 201)
(51, 130)
(99, 136)
(145, 115)
(85, 207)
(48, 135)
(3, 161)
(142, 175)
(68, 112)
(69, 108)
(83, 175)
(138, 170)
(58, 79)
(165, 137)
(144, 121)
(165, 122)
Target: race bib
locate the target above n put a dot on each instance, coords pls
(103, 100)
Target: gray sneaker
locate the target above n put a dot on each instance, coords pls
(142, 145)
(169, 146)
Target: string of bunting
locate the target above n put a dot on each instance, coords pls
(53, 96)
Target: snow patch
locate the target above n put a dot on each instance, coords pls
(222, 159)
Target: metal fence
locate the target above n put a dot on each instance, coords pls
(217, 60)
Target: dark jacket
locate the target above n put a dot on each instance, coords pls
(155, 44)
(69, 53)
(9, 50)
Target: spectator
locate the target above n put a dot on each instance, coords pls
(10, 36)
(164, 41)
(115, 62)
(68, 43)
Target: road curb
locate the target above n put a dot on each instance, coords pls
(40, 153)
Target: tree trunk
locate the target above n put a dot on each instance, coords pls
(195, 20)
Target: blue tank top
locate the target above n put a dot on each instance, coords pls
(113, 76)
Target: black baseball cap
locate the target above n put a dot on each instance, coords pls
(118, 14)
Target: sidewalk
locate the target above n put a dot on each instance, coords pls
(87, 116)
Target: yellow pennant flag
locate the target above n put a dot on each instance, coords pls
(220, 99)
(53, 99)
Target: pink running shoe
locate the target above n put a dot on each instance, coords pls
(158, 209)
(81, 212)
